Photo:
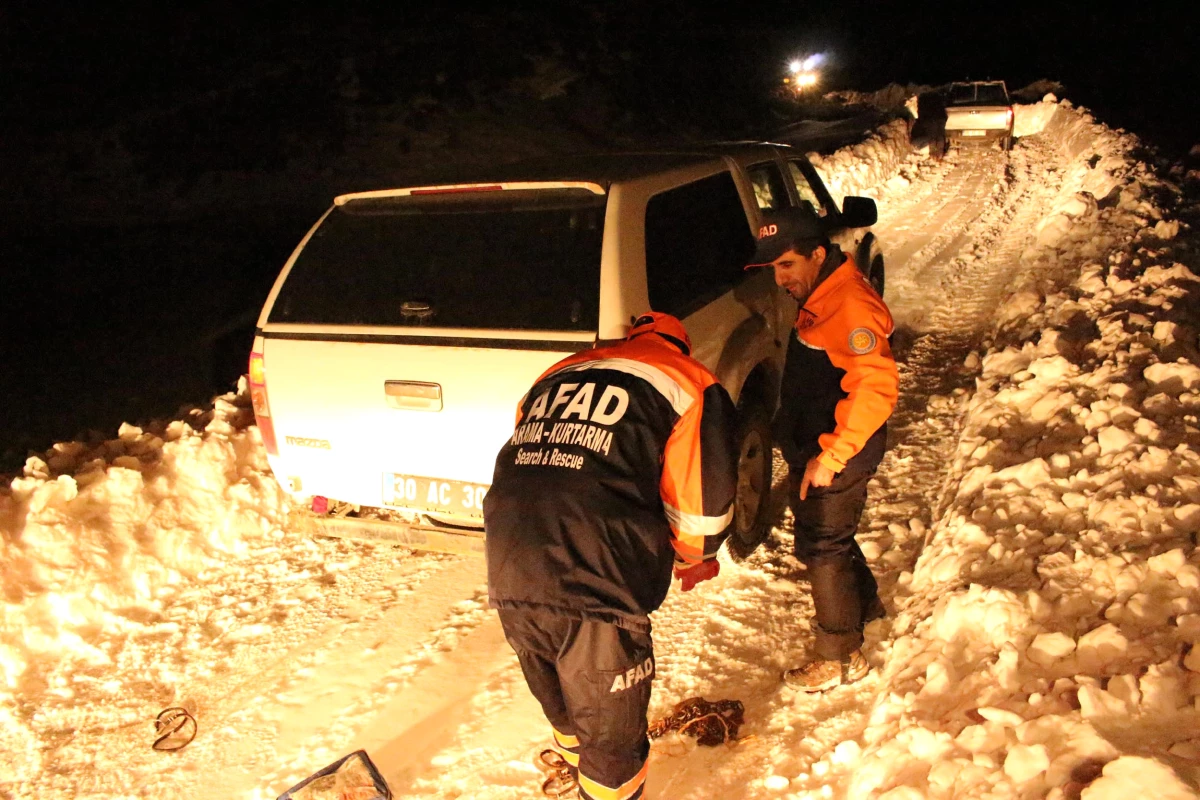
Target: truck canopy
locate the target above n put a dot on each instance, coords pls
(512, 259)
(980, 93)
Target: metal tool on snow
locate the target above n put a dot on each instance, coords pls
(175, 728)
(559, 781)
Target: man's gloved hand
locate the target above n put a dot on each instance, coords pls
(691, 574)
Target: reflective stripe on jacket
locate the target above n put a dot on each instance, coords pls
(840, 381)
(621, 462)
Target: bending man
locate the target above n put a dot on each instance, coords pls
(621, 466)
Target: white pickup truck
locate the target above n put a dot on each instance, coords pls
(398, 339)
(979, 112)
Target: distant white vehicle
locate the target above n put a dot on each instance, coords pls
(979, 112)
(401, 334)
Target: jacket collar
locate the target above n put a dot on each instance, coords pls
(837, 269)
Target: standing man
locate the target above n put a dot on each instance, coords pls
(839, 386)
(621, 466)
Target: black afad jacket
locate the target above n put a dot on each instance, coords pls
(622, 460)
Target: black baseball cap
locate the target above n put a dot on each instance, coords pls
(782, 229)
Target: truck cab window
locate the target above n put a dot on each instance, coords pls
(770, 192)
(697, 241)
(805, 190)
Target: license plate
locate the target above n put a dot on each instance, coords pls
(974, 133)
(433, 494)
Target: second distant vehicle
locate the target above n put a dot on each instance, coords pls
(979, 112)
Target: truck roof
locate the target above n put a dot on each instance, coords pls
(602, 168)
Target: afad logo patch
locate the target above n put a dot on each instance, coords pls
(631, 677)
(862, 341)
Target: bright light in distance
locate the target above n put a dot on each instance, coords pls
(811, 63)
(806, 79)
(795, 66)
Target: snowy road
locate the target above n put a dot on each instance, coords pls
(151, 572)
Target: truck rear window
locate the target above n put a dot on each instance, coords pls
(514, 259)
(979, 94)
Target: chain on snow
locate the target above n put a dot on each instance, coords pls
(174, 728)
(711, 723)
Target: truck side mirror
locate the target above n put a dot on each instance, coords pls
(859, 212)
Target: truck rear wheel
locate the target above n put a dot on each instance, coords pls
(876, 276)
(752, 501)
(869, 257)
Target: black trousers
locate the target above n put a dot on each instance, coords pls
(593, 680)
(845, 594)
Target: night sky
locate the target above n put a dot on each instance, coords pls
(104, 289)
(1137, 62)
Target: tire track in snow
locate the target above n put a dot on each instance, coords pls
(936, 378)
(282, 709)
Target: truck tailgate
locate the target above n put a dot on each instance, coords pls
(352, 416)
(985, 118)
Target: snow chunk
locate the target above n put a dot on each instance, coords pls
(1101, 647)
(1095, 702)
(1029, 475)
(1173, 378)
(1163, 689)
(1166, 230)
(1112, 439)
(1125, 688)
(1008, 361)
(1081, 205)
(1052, 369)
(1047, 648)
(1001, 716)
(1025, 762)
(983, 738)
(1186, 518)
(1169, 563)
(846, 753)
(1130, 776)
(1020, 306)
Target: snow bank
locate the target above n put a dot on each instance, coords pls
(91, 533)
(1031, 118)
(890, 97)
(1049, 646)
(861, 169)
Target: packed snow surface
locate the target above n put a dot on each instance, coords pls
(1033, 528)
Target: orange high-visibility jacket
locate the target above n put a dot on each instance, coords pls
(622, 461)
(840, 382)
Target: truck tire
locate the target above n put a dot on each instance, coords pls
(876, 276)
(869, 258)
(752, 501)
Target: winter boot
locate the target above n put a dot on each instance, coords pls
(821, 675)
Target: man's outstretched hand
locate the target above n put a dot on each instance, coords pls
(815, 474)
(691, 575)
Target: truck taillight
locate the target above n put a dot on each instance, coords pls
(258, 398)
(1009, 117)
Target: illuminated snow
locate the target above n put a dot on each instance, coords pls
(1032, 527)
